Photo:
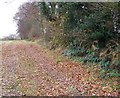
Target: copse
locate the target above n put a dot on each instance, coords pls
(94, 21)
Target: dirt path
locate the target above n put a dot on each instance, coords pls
(28, 70)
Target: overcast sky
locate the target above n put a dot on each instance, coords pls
(8, 8)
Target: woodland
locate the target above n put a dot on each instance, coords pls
(85, 32)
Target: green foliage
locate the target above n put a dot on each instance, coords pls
(45, 11)
(112, 73)
(90, 21)
(71, 52)
(106, 66)
(116, 63)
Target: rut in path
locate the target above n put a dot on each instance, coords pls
(28, 70)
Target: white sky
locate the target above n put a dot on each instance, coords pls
(7, 12)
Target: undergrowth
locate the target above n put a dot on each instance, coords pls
(107, 65)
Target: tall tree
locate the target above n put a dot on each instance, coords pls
(28, 20)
